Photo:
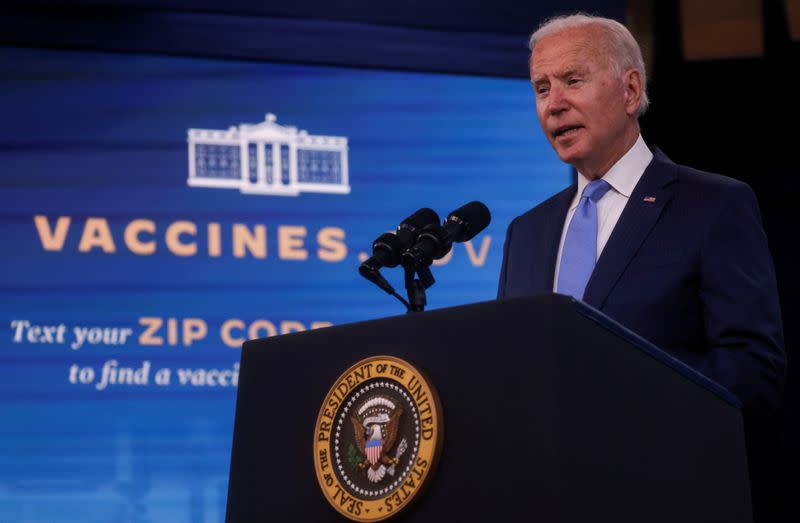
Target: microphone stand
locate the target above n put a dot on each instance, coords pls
(415, 287)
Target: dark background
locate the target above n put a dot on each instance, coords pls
(734, 116)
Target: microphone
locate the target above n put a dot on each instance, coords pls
(388, 248)
(436, 241)
(409, 229)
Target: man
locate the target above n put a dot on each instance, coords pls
(676, 255)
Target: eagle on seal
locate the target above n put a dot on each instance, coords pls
(375, 443)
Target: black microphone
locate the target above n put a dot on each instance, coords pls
(388, 248)
(436, 241)
(386, 251)
(410, 228)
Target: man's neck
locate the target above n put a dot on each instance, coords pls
(593, 172)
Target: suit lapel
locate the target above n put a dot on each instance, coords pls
(550, 239)
(641, 213)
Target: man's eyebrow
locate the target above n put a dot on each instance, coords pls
(564, 73)
(571, 71)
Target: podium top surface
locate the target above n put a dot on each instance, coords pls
(563, 303)
(651, 349)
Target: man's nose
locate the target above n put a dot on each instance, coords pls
(556, 100)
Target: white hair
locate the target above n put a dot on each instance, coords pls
(623, 49)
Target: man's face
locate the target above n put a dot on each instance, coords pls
(582, 105)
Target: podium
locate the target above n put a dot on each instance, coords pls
(552, 413)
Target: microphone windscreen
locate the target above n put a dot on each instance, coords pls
(422, 217)
(387, 248)
(409, 229)
(472, 217)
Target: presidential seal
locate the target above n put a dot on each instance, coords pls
(378, 438)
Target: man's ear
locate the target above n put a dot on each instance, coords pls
(632, 83)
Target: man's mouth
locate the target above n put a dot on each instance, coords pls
(566, 130)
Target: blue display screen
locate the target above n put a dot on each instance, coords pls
(158, 211)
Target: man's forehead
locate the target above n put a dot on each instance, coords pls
(572, 49)
(559, 70)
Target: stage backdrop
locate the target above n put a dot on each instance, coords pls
(156, 212)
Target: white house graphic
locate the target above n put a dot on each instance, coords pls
(267, 158)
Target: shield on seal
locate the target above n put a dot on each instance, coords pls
(373, 449)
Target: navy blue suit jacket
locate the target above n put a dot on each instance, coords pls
(690, 271)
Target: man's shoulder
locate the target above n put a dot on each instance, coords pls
(704, 183)
(714, 192)
(706, 180)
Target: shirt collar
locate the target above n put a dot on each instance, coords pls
(625, 174)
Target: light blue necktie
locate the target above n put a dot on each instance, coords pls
(580, 245)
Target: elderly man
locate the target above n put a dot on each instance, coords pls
(677, 255)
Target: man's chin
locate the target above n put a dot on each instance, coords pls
(570, 155)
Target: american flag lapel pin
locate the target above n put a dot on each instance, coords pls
(650, 199)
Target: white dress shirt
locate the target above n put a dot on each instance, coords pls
(622, 177)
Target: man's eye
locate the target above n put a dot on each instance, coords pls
(541, 90)
(573, 81)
